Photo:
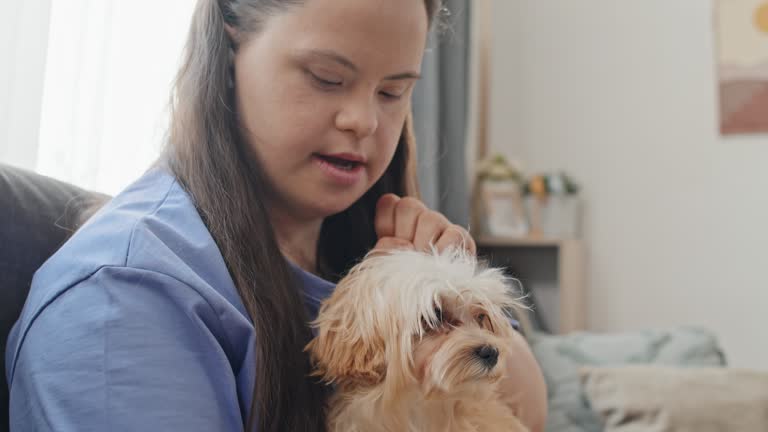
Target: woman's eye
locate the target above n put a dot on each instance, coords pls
(325, 81)
(392, 94)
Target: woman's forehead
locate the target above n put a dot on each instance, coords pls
(377, 34)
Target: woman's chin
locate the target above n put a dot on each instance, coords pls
(333, 207)
(331, 203)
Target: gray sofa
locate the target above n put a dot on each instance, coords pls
(37, 214)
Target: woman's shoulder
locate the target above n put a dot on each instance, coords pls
(147, 247)
(152, 227)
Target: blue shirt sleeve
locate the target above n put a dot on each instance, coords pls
(125, 349)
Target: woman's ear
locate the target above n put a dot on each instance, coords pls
(233, 33)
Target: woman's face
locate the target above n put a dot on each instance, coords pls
(323, 92)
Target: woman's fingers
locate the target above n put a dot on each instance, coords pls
(396, 217)
(456, 236)
(384, 221)
(391, 243)
(403, 222)
(407, 213)
(430, 227)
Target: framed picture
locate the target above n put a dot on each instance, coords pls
(742, 32)
(502, 209)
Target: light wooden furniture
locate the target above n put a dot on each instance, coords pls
(553, 272)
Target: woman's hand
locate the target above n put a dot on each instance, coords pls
(406, 223)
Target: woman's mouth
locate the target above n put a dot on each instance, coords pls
(342, 169)
(347, 164)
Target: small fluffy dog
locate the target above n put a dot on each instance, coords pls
(416, 342)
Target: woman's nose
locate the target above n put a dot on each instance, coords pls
(359, 116)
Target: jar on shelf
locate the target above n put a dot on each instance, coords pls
(500, 189)
(553, 206)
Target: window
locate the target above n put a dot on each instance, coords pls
(109, 70)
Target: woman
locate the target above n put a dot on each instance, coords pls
(182, 305)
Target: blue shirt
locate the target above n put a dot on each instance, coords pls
(135, 324)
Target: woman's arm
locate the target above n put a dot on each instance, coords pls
(524, 388)
(125, 349)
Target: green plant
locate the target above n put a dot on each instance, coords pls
(497, 168)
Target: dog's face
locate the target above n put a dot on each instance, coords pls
(460, 345)
(436, 322)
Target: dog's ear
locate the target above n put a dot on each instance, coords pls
(341, 354)
(349, 348)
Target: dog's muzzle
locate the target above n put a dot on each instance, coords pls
(488, 355)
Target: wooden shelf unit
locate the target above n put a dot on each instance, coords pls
(544, 265)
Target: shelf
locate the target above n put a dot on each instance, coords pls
(489, 241)
(552, 269)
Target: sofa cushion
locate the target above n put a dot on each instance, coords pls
(37, 214)
(563, 356)
(666, 399)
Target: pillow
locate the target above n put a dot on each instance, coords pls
(562, 356)
(663, 399)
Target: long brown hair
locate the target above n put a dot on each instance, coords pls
(207, 154)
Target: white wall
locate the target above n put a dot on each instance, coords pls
(622, 94)
(23, 42)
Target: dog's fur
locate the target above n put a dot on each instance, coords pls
(399, 340)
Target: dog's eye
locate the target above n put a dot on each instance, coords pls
(484, 321)
(439, 315)
(429, 323)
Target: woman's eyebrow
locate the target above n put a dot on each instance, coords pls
(345, 62)
(403, 76)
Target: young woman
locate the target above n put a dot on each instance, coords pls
(183, 304)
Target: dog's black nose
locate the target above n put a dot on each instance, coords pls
(488, 354)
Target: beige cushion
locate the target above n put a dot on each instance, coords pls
(665, 399)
